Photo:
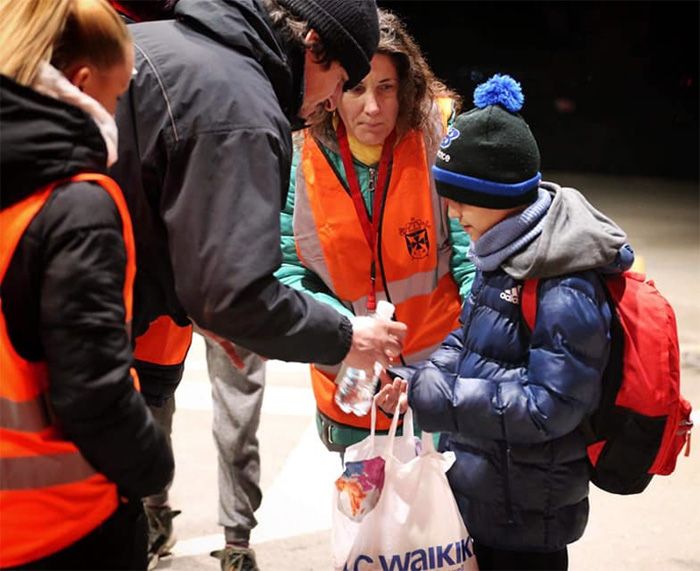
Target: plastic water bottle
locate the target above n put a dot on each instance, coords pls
(356, 389)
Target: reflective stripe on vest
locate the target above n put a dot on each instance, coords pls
(31, 472)
(414, 253)
(50, 496)
(25, 416)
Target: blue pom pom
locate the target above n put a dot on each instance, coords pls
(500, 90)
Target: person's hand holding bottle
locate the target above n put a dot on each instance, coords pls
(374, 340)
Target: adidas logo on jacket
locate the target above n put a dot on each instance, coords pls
(512, 295)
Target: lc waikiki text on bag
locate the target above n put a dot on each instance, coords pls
(643, 422)
(415, 523)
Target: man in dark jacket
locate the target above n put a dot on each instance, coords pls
(205, 153)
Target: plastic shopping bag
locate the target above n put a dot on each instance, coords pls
(416, 523)
(359, 487)
(406, 446)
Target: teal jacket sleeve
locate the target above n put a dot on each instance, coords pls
(463, 270)
(292, 272)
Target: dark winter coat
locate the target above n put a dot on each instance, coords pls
(205, 151)
(511, 402)
(62, 294)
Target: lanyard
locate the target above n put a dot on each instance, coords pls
(370, 227)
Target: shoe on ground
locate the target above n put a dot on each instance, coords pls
(161, 538)
(236, 558)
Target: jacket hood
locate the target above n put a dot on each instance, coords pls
(43, 140)
(244, 25)
(575, 237)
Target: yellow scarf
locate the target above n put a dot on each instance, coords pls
(370, 154)
(367, 154)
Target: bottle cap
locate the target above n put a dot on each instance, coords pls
(385, 310)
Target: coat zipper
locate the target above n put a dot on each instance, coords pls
(372, 184)
(505, 446)
(505, 453)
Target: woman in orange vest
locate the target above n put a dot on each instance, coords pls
(382, 232)
(78, 447)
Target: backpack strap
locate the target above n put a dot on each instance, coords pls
(528, 302)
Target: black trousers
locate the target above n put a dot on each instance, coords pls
(120, 543)
(502, 560)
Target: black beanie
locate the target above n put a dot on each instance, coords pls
(489, 157)
(348, 28)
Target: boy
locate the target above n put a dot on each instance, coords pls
(510, 401)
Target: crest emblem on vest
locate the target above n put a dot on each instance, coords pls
(417, 240)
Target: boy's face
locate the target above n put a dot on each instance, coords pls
(475, 219)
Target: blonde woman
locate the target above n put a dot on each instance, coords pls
(78, 445)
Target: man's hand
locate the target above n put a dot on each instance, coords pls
(374, 340)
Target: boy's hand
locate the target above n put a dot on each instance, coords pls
(392, 392)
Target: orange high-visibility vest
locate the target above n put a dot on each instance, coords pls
(50, 496)
(164, 342)
(413, 251)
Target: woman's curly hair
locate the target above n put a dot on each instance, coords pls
(418, 86)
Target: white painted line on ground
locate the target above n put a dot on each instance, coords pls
(298, 502)
(292, 401)
(197, 546)
(193, 396)
(295, 401)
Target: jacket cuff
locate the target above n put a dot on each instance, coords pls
(403, 371)
(345, 336)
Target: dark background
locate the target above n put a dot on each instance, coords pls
(610, 87)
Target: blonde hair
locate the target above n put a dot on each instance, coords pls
(63, 32)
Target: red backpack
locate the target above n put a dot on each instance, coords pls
(642, 422)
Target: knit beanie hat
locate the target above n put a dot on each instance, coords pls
(348, 28)
(489, 157)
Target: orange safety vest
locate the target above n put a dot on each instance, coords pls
(164, 342)
(413, 250)
(50, 496)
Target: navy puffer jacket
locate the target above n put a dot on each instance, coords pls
(511, 403)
